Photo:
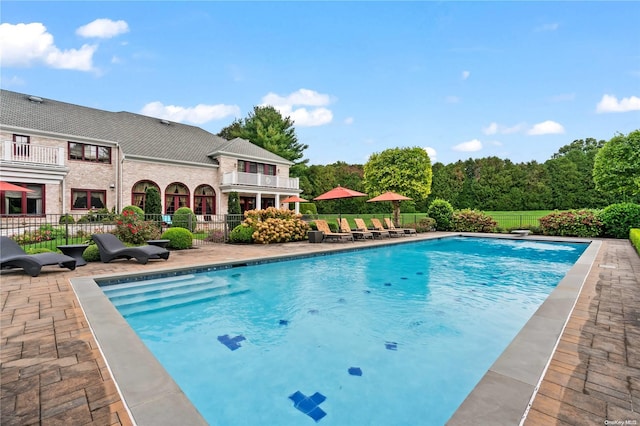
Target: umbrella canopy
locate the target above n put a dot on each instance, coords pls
(293, 199)
(395, 200)
(6, 186)
(338, 193)
(388, 196)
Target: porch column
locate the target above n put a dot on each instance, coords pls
(258, 200)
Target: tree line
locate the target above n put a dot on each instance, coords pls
(565, 181)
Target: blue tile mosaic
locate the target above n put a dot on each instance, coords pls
(313, 311)
(284, 322)
(355, 371)
(231, 342)
(387, 284)
(309, 405)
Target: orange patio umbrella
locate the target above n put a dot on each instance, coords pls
(6, 186)
(395, 200)
(293, 199)
(338, 193)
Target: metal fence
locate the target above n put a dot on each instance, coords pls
(49, 231)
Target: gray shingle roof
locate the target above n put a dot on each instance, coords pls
(138, 135)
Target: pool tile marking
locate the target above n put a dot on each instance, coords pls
(392, 346)
(309, 405)
(231, 342)
(355, 371)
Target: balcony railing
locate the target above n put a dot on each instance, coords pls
(258, 179)
(15, 152)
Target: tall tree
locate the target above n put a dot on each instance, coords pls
(616, 169)
(406, 171)
(266, 127)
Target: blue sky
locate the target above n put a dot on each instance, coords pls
(516, 80)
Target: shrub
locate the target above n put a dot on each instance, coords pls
(131, 228)
(618, 219)
(66, 218)
(185, 218)
(137, 210)
(91, 253)
(37, 250)
(152, 204)
(241, 234)
(215, 236)
(43, 233)
(274, 225)
(308, 208)
(472, 221)
(442, 212)
(179, 238)
(426, 224)
(574, 223)
(634, 236)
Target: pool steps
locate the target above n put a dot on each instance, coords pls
(165, 293)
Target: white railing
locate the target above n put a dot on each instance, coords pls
(257, 179)
(33, 154)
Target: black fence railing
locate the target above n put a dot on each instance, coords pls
(49, 231)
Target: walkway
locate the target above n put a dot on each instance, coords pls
(52, 372)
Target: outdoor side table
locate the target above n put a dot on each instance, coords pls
(315, 236)
(75, 251)
(159, 243)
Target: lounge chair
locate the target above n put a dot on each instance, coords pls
(390, 225)
(111, 248)
(323, 226)
(344, 227)
(13, 256)
(392, 232)
(376, 232)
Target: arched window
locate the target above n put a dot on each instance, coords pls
(139, 192)
(175, 196)
(204, 200)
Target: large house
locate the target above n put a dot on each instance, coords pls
(73, 159)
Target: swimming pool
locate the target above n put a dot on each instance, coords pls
(420, 322)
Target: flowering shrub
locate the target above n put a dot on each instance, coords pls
(44, 233)
(425, 224)
(216, 236)
(472, 221)
(130, 228)
(274, 225)
(574, 223)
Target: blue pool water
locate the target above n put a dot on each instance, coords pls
(394, 335)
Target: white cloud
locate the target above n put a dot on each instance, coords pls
(452, 99)
(469, 146)
(466, 74)
(433, 154)
(103, 28)
(495, 128)
(610, 103)
(349, 120)
(302, 98)
(25, 45)
(547, 27)
(198, 114)
(546, 128)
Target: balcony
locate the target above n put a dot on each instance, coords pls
(26, 153)
(257, 179)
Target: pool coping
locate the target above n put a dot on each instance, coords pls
(502, 396)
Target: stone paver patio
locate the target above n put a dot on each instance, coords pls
(52, 372)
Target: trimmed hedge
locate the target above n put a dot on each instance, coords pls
(137, 210)
(241, 234)
(91, 253)
(618, 219)
(634, 236)
(185, 218)
(442, 212)
(179, 238)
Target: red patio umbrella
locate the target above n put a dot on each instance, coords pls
(395, 200)
(339, 193)
(6, 186)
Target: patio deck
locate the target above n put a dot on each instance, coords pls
(52, 371)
